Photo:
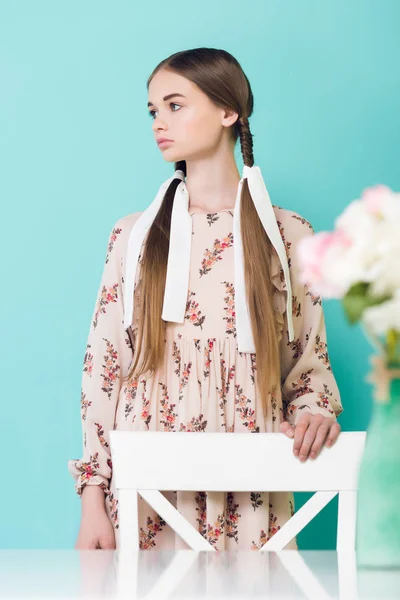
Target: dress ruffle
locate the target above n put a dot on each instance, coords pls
(84, 474)
(280, 292)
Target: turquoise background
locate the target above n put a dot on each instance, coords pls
(77, 152)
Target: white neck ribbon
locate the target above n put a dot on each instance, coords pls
(178, 267)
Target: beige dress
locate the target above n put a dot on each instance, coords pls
(206, 383)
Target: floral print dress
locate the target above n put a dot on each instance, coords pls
(206, 384)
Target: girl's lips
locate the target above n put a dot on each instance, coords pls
(165, 143)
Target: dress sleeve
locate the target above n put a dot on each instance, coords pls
(308, 382)
(107, 357)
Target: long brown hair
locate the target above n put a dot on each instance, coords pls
(219, 75)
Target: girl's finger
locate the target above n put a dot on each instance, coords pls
(333, 433)
(320, 438)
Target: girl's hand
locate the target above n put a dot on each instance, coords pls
(96, 531)
(310, 434)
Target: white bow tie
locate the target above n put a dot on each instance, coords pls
(177, 280)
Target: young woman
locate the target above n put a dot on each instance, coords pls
(175, 349)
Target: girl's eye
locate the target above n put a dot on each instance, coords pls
(151, 112)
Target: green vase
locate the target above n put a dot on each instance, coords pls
(378, 499)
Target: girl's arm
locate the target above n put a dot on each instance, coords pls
(107, 358)
(308, 382)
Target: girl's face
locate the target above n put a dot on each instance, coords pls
(182, 113)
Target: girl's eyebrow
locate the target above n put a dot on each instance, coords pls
(167, 98)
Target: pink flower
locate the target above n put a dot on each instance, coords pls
(374, 197)
(313, 255)
(311, 251)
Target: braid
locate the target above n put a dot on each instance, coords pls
(180, 165)
(246, 141)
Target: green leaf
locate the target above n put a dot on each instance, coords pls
(358, 299)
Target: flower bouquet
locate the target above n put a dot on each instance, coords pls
(359, 263)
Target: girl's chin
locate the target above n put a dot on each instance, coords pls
(171, 156)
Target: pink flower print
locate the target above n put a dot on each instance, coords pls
(289, 409)
(212, 218)
(128, 411)
(211, 342)
(229, 309)
(253, 367)
(315, 298)
(225, 385)
(282, 278)
(195, 424)
(185, 373)
(88, 361)
(287, 246)
(256, 500)
(302, 384)
(212, 256)
(84, 405)
(193, 314)
(201, 509)
(231, 375)
(221, 404)
(273, 527)
(207, 356)
(176, 355)
(100, 435)
(168, 416)
(261, 542)
(130, 391)
(321, 350)
(147, 538)
(108, 295)
(296, 307)
(215, 531)
(297, 347)
(88, 469)
(324, 401)
(145, 415)
(184, 378)
(130, 338)
(274, 402)
(246, 413)
(113, 507)
(110, 368)
(115, 232)
(207, 362)
(223, 371)
(232, 517)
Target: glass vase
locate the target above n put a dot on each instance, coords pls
(378, 499)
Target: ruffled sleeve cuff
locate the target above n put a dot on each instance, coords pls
(85, 474)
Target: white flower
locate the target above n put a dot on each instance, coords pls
(382, 317)
(372, 224)
(363, 248)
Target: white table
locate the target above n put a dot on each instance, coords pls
(319, 574)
